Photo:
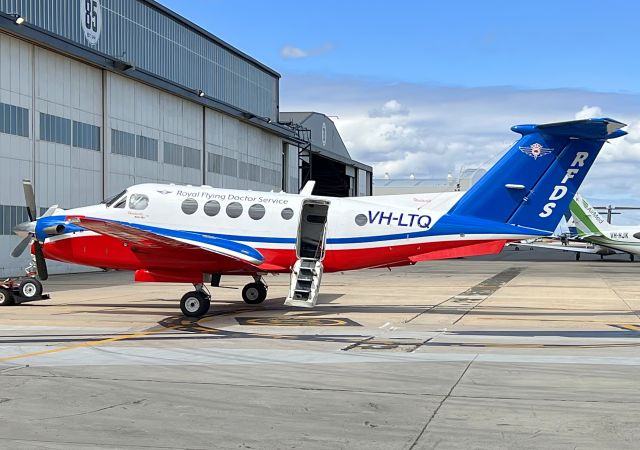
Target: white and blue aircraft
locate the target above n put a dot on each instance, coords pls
(171, 233)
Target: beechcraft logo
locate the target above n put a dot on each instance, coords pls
(536, 150)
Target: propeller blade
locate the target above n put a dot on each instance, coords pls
(49, 211)
(20, 248)
(41, 264)
(30, 199)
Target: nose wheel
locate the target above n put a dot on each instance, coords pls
(254, 293)
(195, 303)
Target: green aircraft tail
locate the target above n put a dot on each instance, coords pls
(588, 221)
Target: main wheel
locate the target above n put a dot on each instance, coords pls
(577, 256)
(195, 304)
(632, 258)
(30, 288)
(254, 293)
(6, 297)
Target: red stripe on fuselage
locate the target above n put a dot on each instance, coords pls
(107, 252)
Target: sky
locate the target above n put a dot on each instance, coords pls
(428, 87)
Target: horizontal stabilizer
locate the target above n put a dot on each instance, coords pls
(579, 129)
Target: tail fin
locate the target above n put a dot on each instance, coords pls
(588, 221)
(533, 183)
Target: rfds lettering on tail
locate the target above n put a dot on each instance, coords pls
(197, 235)
(560, 190)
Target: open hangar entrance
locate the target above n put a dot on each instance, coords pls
(322, 156)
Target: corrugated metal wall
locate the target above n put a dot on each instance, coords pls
(136, 32)
(65, 103)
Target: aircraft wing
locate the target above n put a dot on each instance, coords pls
(163, 238)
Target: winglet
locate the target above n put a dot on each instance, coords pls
(308, 188)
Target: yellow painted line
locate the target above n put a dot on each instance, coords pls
(86, 344)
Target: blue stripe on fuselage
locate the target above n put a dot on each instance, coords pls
(447, 225)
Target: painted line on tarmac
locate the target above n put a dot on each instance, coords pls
(466, 301)
(84, 344)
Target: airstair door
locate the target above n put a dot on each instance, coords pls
(310, 249)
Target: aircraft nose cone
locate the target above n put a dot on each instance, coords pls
(24, 229)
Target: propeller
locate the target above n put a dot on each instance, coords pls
(611, 210)
(27, 230)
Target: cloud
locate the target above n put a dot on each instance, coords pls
(389, 109)
(443, 129)
(291, 52)
(589, 112)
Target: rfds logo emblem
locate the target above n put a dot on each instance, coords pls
(536, 150)
(91, 20)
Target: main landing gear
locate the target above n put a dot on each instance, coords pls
(196, 303)
(255, 293)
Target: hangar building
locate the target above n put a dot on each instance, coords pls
(98, 95)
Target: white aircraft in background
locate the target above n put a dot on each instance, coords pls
(604, 239)
(187, 234)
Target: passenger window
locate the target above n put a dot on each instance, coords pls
(361, 220)
(189, 206)
(122, 203)
(138, 202)
(234, 210)
(211, 208)
(256, 212)
(287, 213)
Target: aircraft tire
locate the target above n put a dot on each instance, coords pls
(632, 258)
(577, 256)
(6, 297)
(195, 304)
(30, 288)
(254, 293)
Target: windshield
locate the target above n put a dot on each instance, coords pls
(111, 200)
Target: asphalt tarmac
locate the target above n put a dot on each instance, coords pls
(527, 349)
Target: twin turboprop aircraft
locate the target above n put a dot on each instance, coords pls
(187, 234)
(605, 239)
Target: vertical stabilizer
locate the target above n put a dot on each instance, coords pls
(532, 184)
(588, 221)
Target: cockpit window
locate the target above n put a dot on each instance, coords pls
(138, 202)
(121, 204)
(111, 200)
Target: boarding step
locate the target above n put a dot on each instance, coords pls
(305, 283)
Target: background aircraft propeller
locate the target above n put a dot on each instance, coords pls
(611, 210)
(27, 231)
